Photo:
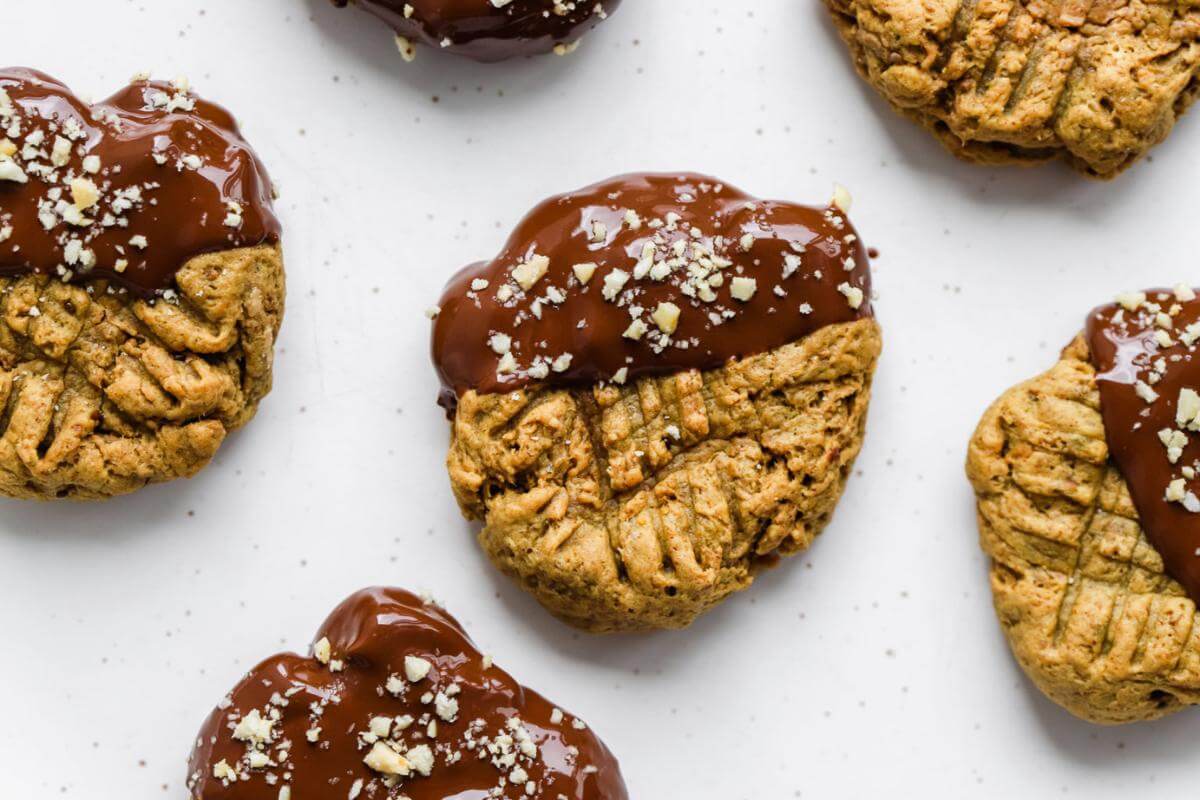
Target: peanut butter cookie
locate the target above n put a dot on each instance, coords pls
(489, 30)
(141, 286)
(395, 703)
(1002, 81)
(1086, 479)
(657, 389)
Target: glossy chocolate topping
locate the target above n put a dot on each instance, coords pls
(395, 702)
(486, 30)
(128, 189)
(1144, 348)
(646, 275)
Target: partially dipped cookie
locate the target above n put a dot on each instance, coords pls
(141, 285)
(394, 703)
(489, 30)
(1087, 483)
(657, 388)
(1029, 80)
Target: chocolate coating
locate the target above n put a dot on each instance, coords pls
(1138, 408)
(700, 239)
(158, 163)
(479, 30)
(492, 735)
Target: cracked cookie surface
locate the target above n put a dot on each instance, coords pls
(640, 507)
(999, 81)
(1080, 593)
(102, 393)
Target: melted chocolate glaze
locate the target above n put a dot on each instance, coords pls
(1126, 351)
(810, 269)
(164, 165)
(478, 29)
(491, 733)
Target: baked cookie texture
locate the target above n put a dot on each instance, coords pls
(1001, 81)
(102, 393)
(639, 507)
(1080, 593)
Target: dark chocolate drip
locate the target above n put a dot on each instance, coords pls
(478, 29)
(745, 275)
(1148, 369)
(127, 189)
(394, 685)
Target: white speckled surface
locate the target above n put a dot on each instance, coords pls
(870, 666)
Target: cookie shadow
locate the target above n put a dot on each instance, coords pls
(117, 521)
(1115, 749)
(360, 40)
(777, 589)
(123, 519)
(1050, 184)
(1106, 749)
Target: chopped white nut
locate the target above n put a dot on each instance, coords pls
(421, 759)
(254, 727)
(10, 171)
(527, 273)
(743, 288)
(387, 761)
(636, 330)
(584, 272)
(841, 198)
(84, 193)
(666, 317)
(1187, 410)
(416, 669)
(854, 295)
(408, 50)
(508, 363)
(1131, 301)
(322, 650)
(614, 282)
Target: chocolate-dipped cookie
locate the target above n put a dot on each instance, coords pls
(394, 703)
(1087, 484)
(141, 285)
(657, 388)
(1025, 80)
(489, 30)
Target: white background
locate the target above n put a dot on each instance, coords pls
(870, 665)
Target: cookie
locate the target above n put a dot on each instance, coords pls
(141, 286)
(1029, 80)
(394, 703)
(489, 30)
(1086, 479)
(657, 389)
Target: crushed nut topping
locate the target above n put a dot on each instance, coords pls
(649, 273)
(1169, 339)
(490, 30)
(128, 189)
(435, 721)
